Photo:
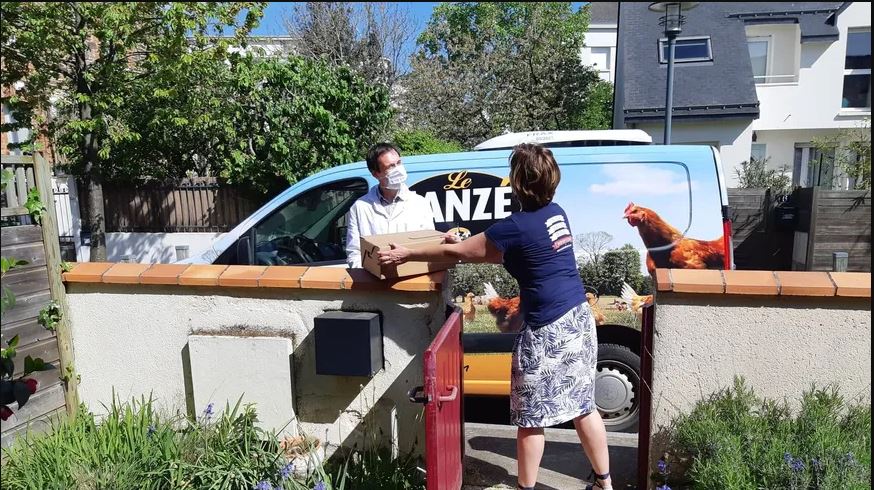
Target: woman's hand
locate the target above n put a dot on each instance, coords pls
(396, 256)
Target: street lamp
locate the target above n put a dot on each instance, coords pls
(673, 21)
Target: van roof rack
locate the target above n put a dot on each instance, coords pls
(566, 139)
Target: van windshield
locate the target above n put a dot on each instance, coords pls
(310, 227)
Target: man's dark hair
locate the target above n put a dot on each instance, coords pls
(377, 151)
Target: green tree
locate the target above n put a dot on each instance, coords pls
(86, 59)
(420, 142)
(257, 121)
(484, 68)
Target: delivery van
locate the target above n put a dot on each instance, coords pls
(611, 181)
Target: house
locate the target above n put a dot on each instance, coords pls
(600, 42)
(760, 79)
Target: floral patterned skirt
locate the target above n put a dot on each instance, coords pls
(553, 370)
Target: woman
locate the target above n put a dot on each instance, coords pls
(553, 374)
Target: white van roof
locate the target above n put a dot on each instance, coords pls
(558, 139)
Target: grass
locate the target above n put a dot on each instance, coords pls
(735, 440)
(135, 447)
(484, 322)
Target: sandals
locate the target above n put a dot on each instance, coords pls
(590, 486)
(595, 482)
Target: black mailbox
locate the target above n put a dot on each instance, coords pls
(348, 343)
(786, 217)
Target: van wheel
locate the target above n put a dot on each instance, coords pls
(617, 387)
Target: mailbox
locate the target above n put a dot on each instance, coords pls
(348, 343)
(786, 217)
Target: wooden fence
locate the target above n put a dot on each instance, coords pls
(829, 222)
(825, 222)
(200, 204)
(35, 286)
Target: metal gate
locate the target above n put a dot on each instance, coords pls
(443, 396)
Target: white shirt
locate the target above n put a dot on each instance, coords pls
(373, 215)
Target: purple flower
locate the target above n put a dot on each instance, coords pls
(207, 412)
(663, 487)
(662, 467)
(797, 465)
(787, 458)
(151, 430)
(262, 485)
(286, 470)
(320, 486)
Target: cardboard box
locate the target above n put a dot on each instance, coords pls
(370, 245)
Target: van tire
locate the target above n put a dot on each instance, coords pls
(617, 387)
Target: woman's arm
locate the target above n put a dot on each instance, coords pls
(477, 248)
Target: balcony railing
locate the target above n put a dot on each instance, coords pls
(765, 79)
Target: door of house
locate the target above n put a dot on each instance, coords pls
(443, 397)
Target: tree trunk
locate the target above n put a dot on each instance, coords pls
(95, 219)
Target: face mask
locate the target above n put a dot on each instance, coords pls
(395, 177)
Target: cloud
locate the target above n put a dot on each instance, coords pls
(642, 180)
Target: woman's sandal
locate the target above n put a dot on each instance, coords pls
(595, 483)
(524, 488)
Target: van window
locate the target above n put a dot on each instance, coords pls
(310, 228)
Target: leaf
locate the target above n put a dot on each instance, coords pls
(21, 392)
(13, 342)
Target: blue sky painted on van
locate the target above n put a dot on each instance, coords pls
(595, 196)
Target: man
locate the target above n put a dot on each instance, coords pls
(389, 207)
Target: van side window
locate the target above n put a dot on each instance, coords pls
(310, 228)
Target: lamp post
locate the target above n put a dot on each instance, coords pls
(672, 21)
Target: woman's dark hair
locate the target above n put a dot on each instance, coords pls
(377, 151)
(534, 175)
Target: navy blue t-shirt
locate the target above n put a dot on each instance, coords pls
(538, 252)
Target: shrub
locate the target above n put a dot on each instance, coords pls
(419, 142)
(755, 174)
(132, 446)
(470, 278)
(734, 440)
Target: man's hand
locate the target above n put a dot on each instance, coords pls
(396, 256)
(451, 238)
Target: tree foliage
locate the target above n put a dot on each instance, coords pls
(482, 69)
(83, 60)
(852, 152)
(367, 37)
(420, 142)
(260, 122)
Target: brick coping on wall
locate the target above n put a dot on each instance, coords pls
(765, 283)
(295, 277)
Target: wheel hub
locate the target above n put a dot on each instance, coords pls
(614, 392)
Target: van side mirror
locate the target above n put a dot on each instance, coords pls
(244, 250)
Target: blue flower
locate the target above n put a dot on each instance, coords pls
(797, 465)
(320, 486)
(151, 430)
(207, 412)
(787, 458)
(817, 464)
(262, 485)
(663, 487)
(850, 459)
(662, 467)
(286, 470)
